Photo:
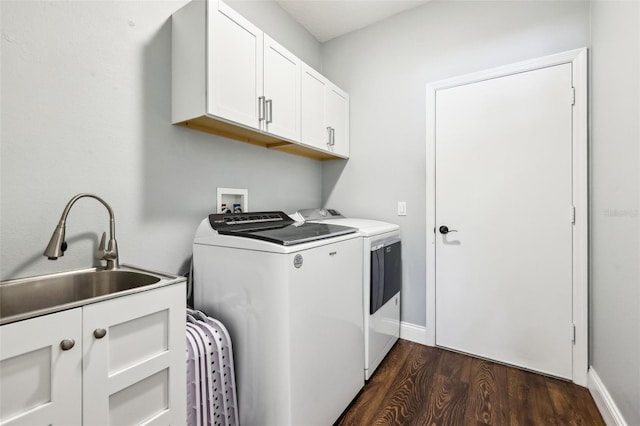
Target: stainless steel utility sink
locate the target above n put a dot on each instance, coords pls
(29, 297)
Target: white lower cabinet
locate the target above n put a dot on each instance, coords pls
(136, 372)
(126, 366)
(40, 382)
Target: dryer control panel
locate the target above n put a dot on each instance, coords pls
(319, 214)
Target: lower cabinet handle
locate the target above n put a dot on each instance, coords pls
(67, 344)
(99, 333)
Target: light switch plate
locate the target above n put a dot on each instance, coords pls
(402, 208)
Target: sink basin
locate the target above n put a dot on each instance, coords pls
(28, 297)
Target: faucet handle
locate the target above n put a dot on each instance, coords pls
(101, 250)
(110, 253)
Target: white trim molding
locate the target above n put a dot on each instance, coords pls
(413, 332)
(578, 59)
(604, 402)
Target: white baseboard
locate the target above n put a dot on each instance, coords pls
(414, 333)
(603, 400)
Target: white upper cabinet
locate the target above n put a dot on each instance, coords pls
(231, 79)
(325, 113)
(281, 91)
(313, 105)
(234, 66)
(252, 79)
(337, 116)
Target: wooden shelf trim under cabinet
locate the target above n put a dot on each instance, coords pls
(233, 131)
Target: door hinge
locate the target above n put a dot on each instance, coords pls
(573, 333)
(573, 214)
(573, 95)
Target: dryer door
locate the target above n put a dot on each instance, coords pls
(377, 280)
(392, 270)
(386, 274)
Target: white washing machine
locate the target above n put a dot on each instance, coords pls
(291, 296)
(381, 282)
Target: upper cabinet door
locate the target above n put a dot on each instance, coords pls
(314, 130)
(281, 91)
(337, 116)
(234, 69)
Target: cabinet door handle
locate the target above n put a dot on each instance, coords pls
(269, 106)
(333, 136)
(99, 333)
(261, 108)
(328, 136)
(67, 344)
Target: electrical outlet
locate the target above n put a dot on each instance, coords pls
(402, 208)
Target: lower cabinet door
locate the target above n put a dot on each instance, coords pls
(134, 359)
(40, 370)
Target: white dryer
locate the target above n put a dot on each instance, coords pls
(290, 295)
(382, 280)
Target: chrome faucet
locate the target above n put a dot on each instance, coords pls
(57, 244)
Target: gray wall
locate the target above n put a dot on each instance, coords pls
(385, 68)
(615, 202)
(86, 107)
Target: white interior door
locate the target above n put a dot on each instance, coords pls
(503, 182)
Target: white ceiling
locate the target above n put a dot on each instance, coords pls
(327, 19)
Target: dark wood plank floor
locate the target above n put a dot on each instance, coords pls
(422, 385)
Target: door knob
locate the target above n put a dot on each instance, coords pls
(445, 230)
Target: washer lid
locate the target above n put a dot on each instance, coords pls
(293, 234)
(275, 227)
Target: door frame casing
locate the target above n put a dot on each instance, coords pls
(578, 59)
